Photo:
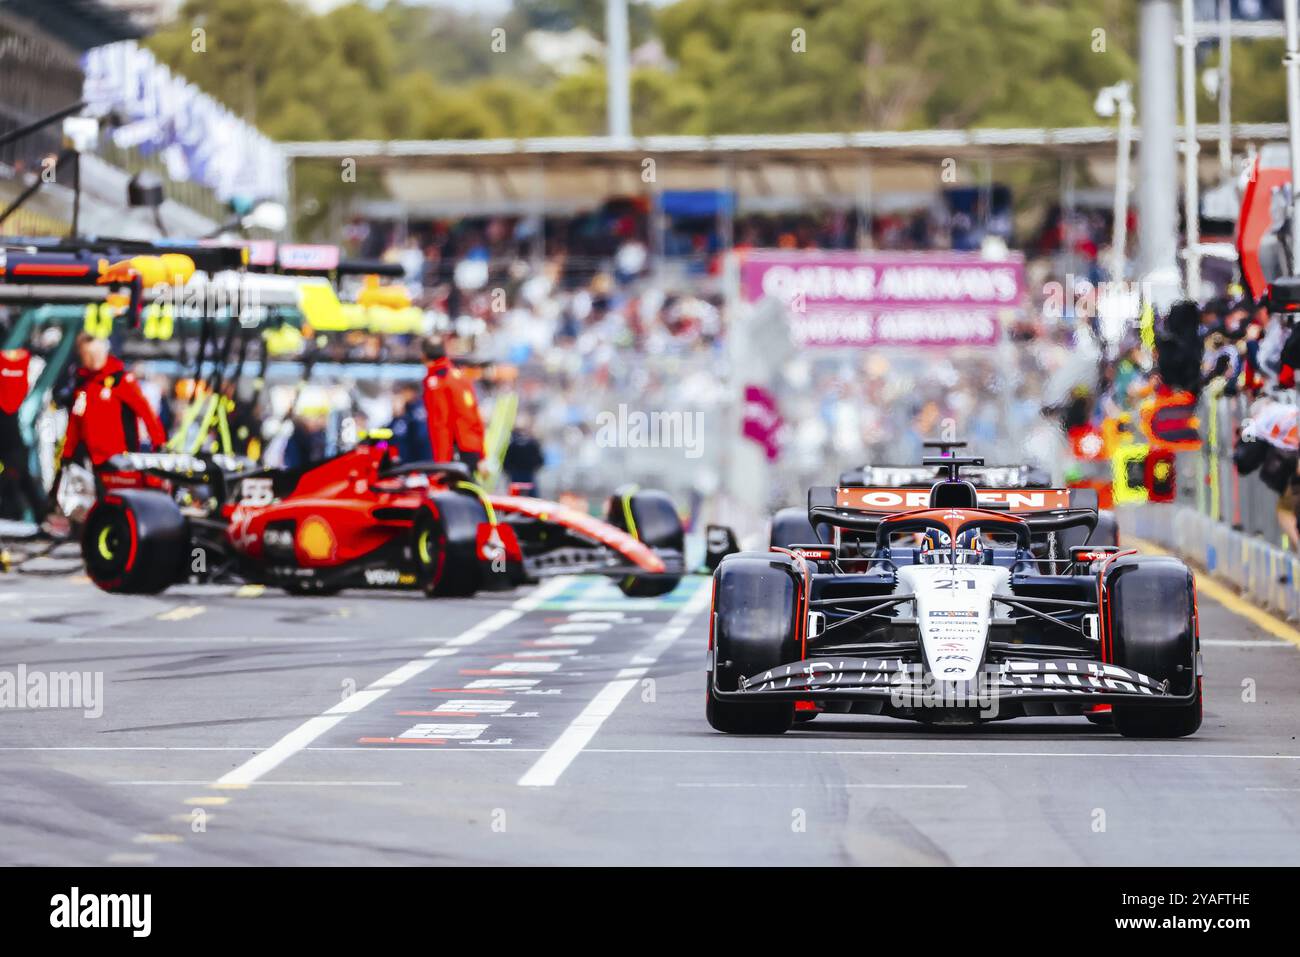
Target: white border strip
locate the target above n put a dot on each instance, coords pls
(548, 768)
(307, 732)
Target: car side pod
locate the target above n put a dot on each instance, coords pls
(755, 626)
(136, 541)
(1149, 625)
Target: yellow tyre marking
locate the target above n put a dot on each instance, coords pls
(182, 612)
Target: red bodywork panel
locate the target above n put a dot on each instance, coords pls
(954, 519)
(583, 524)
(341, 511)
(338, 509)
(1256, 220)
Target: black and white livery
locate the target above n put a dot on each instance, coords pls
(940, 606)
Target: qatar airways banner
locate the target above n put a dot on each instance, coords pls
(887, 299)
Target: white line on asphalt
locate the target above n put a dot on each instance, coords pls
(125, 747)
(548, 768)
(309, 731)
(955, 754)
(702, 751)
(266, 784)
(233, 640)
(804, 784)
(1247, 642)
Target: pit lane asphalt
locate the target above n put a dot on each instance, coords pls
(565, 724)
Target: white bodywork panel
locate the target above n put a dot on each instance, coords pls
(954, 606)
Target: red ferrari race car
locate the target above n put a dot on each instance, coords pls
(359, 520)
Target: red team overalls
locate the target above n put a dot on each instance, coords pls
(454, 422)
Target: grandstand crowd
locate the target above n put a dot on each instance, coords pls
(596, 322)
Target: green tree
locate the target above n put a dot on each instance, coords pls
(778, 65)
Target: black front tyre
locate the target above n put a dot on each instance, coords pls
(1152, 608)
(732, 718)
(756, 604)
(135, 542)
(444, 545)
(651, 518)
(1179, 722)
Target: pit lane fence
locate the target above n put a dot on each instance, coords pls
(1220, 521)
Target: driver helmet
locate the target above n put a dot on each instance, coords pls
(934, 546)
(970, 547)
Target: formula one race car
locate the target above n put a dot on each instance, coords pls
(911, 482)
(359, 520)
(941, 611)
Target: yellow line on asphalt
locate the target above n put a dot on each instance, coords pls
(209, 801)
(250, 591)
(181, 612)
(1206, 584)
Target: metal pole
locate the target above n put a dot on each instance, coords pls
(1191, 150)
(1292, 63)
(616, 69)
(38, 125)
(1225, 89)
(1157, 169)
(1119, 212)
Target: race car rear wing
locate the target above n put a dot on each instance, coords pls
(890, 500)
(862, 509)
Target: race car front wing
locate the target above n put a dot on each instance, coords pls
(905, 682)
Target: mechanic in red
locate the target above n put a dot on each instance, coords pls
(14, 454)
(107, 407)
(455, 426)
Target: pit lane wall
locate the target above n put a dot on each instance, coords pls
(1262, 571)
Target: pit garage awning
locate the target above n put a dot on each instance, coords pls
(562, 175)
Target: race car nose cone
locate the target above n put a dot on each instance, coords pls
(953, 607)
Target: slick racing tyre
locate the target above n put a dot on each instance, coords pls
(650, 517)
(754, 628)
(444, 544)
(1107, 530)
(1151, 607)
(1068, 538)
(136, 542)
(790, 526)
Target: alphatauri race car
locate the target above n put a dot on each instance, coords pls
(359, 520)
(910, 483)
(937, 606)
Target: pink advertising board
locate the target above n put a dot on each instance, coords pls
(859, 299)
